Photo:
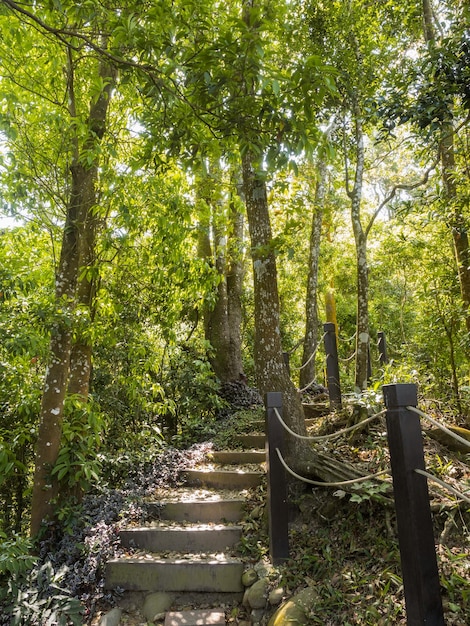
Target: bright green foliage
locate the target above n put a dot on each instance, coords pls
(25, 315)
(15, 556)
(198, 83)
(78, 460)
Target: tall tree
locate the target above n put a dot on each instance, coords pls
(78, 237)
(76, 78)
(360, 41)
(312, 323)
(271, 372)
(220, 242)
(448, 79)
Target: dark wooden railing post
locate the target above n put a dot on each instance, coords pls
(415, 531)
(332, 365)
(382, 345)
(277, 483)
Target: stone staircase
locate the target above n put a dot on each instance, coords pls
(184, 556)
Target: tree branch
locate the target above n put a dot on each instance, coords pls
(395, 189)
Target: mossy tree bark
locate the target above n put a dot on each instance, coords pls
(312, 323)
(59, 375)
(271, 372)
(220, 243)
(362, 269)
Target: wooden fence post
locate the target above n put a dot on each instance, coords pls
(382, 345)
(414, 521)
(332, 365)
(277, 484)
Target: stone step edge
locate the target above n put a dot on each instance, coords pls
(199, 617)
(156, 560)
(237, 457)
(223, 479)
(182, 540)
(180, 575)
(189, 527)
(228, 510)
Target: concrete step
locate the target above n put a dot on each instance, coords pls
(215, 617)
(238, 457)
(148, 573)
(220, 479)
(203, 511)
(251, 441)
(186, 539)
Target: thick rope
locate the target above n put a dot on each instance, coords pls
(311, 356)
(347, 340)
(331, 435)
(307, 386)
(318, 483)
(440, 482)
(438, 425)
(349, 358)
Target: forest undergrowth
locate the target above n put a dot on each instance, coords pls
(344, 544)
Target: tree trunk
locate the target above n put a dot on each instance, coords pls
(330, 307)
(458, 223)
(362, 323)
(222, 319)
(235, 276)
(362, 320)
(271, 372)
(307, 373)
(45, 486)
(80, 358)
(80, 362)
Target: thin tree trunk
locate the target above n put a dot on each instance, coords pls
(235, 276)
(222, 319)
(457, 222)
(45, 486)
(307, 373)
(80, 362)
(362, 324)
(360, 238)
(80, 357)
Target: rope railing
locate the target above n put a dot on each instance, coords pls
(318, 483)
(348, 340)
(439, 425)
(443, 484)
(414, 523)
(297, 369)
(349, 358)
(331, 435)
(312, 382)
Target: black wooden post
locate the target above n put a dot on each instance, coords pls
(332, 365)
(277, 483)
(415, 531)
(382, 345)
